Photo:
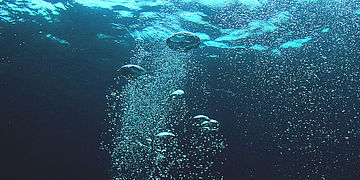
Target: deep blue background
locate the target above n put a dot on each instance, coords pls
(53, 98)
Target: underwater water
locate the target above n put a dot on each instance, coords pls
(249, 89)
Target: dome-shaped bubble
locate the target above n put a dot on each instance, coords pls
(183, 41)
(210, 125)
(165, 134)
(132, 70)
(213, 121)
(177, 93)
(204, 123)
(201, 118)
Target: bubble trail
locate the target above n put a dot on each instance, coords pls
(152, 137)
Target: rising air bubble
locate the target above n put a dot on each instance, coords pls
(132, 70)
(177, 93)
(206, 123)
(183, 41)
(165, 134)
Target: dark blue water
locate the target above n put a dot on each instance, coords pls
(289, 116)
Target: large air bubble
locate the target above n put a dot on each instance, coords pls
(165, 134)
(205, 123)
(201, 118)
(177, 93)
(132, 70)
(183, 41)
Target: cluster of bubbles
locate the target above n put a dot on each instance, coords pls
(206, 123)
(300, 109)
(297, 110)
(153, 136)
